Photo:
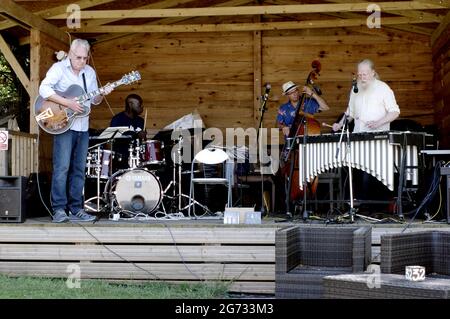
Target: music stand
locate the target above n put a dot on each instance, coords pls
(114, 132)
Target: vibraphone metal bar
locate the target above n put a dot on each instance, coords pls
(380, 154)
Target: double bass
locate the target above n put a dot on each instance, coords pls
(288, 163)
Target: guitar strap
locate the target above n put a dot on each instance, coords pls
(84, 83)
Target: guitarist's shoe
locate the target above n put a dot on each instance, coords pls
(60, 216)
(81, 216)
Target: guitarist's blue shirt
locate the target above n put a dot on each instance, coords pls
(59, 77)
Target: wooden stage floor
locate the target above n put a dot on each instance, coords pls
(183, 250)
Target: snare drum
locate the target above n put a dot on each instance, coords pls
(137, 190)
(151, 152)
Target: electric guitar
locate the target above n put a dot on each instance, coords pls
(56, 119)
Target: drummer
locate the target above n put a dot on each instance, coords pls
(130, 118)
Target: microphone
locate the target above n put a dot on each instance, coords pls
(266, 93)
(355, 85)
(60, 55)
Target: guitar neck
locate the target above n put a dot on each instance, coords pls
(83, 98)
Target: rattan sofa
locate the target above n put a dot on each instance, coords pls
(306, 254)
(430, 249)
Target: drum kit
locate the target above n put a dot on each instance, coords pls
(135, 190)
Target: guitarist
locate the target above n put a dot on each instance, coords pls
(70, 148)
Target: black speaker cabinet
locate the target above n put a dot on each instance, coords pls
(12, 199)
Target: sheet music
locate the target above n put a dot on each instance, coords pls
(109, 132)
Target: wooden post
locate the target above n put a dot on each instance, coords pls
(256, 73)
(35, 60)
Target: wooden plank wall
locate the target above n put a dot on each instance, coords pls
(209, 72)
(23, 154)
(441, 86)
(242, 256)
(213, 72)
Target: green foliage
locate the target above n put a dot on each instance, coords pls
(8, 85)
(14, 99)
(56, 288)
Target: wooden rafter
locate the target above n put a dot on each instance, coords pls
(404, 13)
(15, 65)
(441, 28)
(408, 28)
(156, 5)
(407, 13)
(251, 10)
(22, 16)
(168, 21)
(83, 4)
(332, 23)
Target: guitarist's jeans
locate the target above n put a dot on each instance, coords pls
(69, 163)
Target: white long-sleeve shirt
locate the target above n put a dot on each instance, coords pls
(59, 77)
(372, 104)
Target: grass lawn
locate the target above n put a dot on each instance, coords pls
(57, 288)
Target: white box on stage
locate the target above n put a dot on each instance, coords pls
(241, 215)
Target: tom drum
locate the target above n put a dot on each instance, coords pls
(151, 152)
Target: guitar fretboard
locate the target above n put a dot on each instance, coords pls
(83, 98)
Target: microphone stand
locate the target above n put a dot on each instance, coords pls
(345, 127)
(306, 213)
(259, 142)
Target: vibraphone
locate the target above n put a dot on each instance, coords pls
(381, 154)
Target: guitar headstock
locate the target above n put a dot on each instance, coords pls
(131, 77)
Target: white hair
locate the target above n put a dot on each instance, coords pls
(80, 43)
(371, 65)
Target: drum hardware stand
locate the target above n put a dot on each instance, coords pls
(98, 169)
(133, 157)
(177, 167)
(173, 182)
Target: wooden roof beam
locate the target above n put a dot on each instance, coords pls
(167, 21)
(245, 26)
(20, 15)
(252, 10)
(83, 4)
(405, 13)
(440, 29)
(156, 5)
(408, 28)
(15, 65)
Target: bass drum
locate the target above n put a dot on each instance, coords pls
(137, 190)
